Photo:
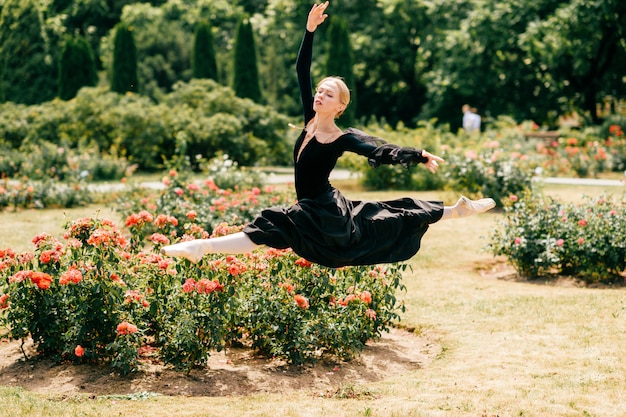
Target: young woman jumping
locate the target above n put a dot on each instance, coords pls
(323, 226)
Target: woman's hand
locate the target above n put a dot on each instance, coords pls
(316, 16)
(433, 161)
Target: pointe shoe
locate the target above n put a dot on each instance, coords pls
(466, 207)
(192, 250)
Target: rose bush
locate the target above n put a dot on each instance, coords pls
(104, 295)
(189, 207)
(541, 235)
(488, 173)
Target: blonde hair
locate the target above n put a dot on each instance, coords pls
(344, 91)
(344, 98)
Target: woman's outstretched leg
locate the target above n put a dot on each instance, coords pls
(465, 207)
(194, 250)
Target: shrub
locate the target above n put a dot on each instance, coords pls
(203, 61)
(217, 121)
(396, 177)
(487, 174)
(227, 175)
(124, 76)
(298, 310)
(43, 194)
(77, 67)
(103, 297)
(245, 69)
(388, 177)
(132, 128)
(541, 235)
(191, 207)
(613, 132)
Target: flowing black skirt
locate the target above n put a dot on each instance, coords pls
(333, 231)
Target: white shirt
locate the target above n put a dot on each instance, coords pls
(471, 121)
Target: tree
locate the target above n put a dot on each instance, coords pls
(203, 62)
(164, 44)
(77, 67)
(579, 53)
(124, 66)
(91, 19)
(388, 58)
(340, 62)
(26, 74)
(529, 60)
(246, 73)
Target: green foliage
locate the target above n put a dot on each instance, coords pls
(388, 177)
(486, 175)
(26, 75)
(163, 42)
(144, 134)
(391, 43)
(77, 67)
(532, 61)
(124, 66)
(203, 64)
(582, 42)
(300, 310)
(102, 297)
(206, 116)
(613, 130)
(246, 73)
(541, 236)
(193, 206)
(44, 194)
(412, 61)
(196, 319)
(55, 142)
(227, 175)
(340, 63)
(218, 122)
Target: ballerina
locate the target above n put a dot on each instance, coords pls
(323, 226)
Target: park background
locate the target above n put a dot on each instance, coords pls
(102, 98)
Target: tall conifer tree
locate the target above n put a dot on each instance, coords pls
(77, 67)
(203, 62)
(246, 77)
(124, 68)
(340, 62)
(25, 73)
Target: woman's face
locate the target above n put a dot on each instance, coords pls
(326, 99)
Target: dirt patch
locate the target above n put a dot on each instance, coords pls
(499, 268)
(231, 372)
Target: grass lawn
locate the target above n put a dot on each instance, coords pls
(508, 347)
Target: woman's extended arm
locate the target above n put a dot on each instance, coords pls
(303, 69)
(379, 152)
(303, 62)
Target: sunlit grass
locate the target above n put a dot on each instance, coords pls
(17, 228)
(509, 348)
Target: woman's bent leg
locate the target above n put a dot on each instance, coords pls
(194, 250)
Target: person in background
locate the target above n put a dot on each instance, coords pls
(471, 119)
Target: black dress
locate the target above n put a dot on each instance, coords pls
(325, 227)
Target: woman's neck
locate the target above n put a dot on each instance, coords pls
(326, 124)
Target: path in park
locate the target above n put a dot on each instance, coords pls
(286, 176)
(582, 181)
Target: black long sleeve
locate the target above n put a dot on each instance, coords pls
(379, 152)
(303, 69)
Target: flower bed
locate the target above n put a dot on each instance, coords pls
(541, 235)
(105, 295)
